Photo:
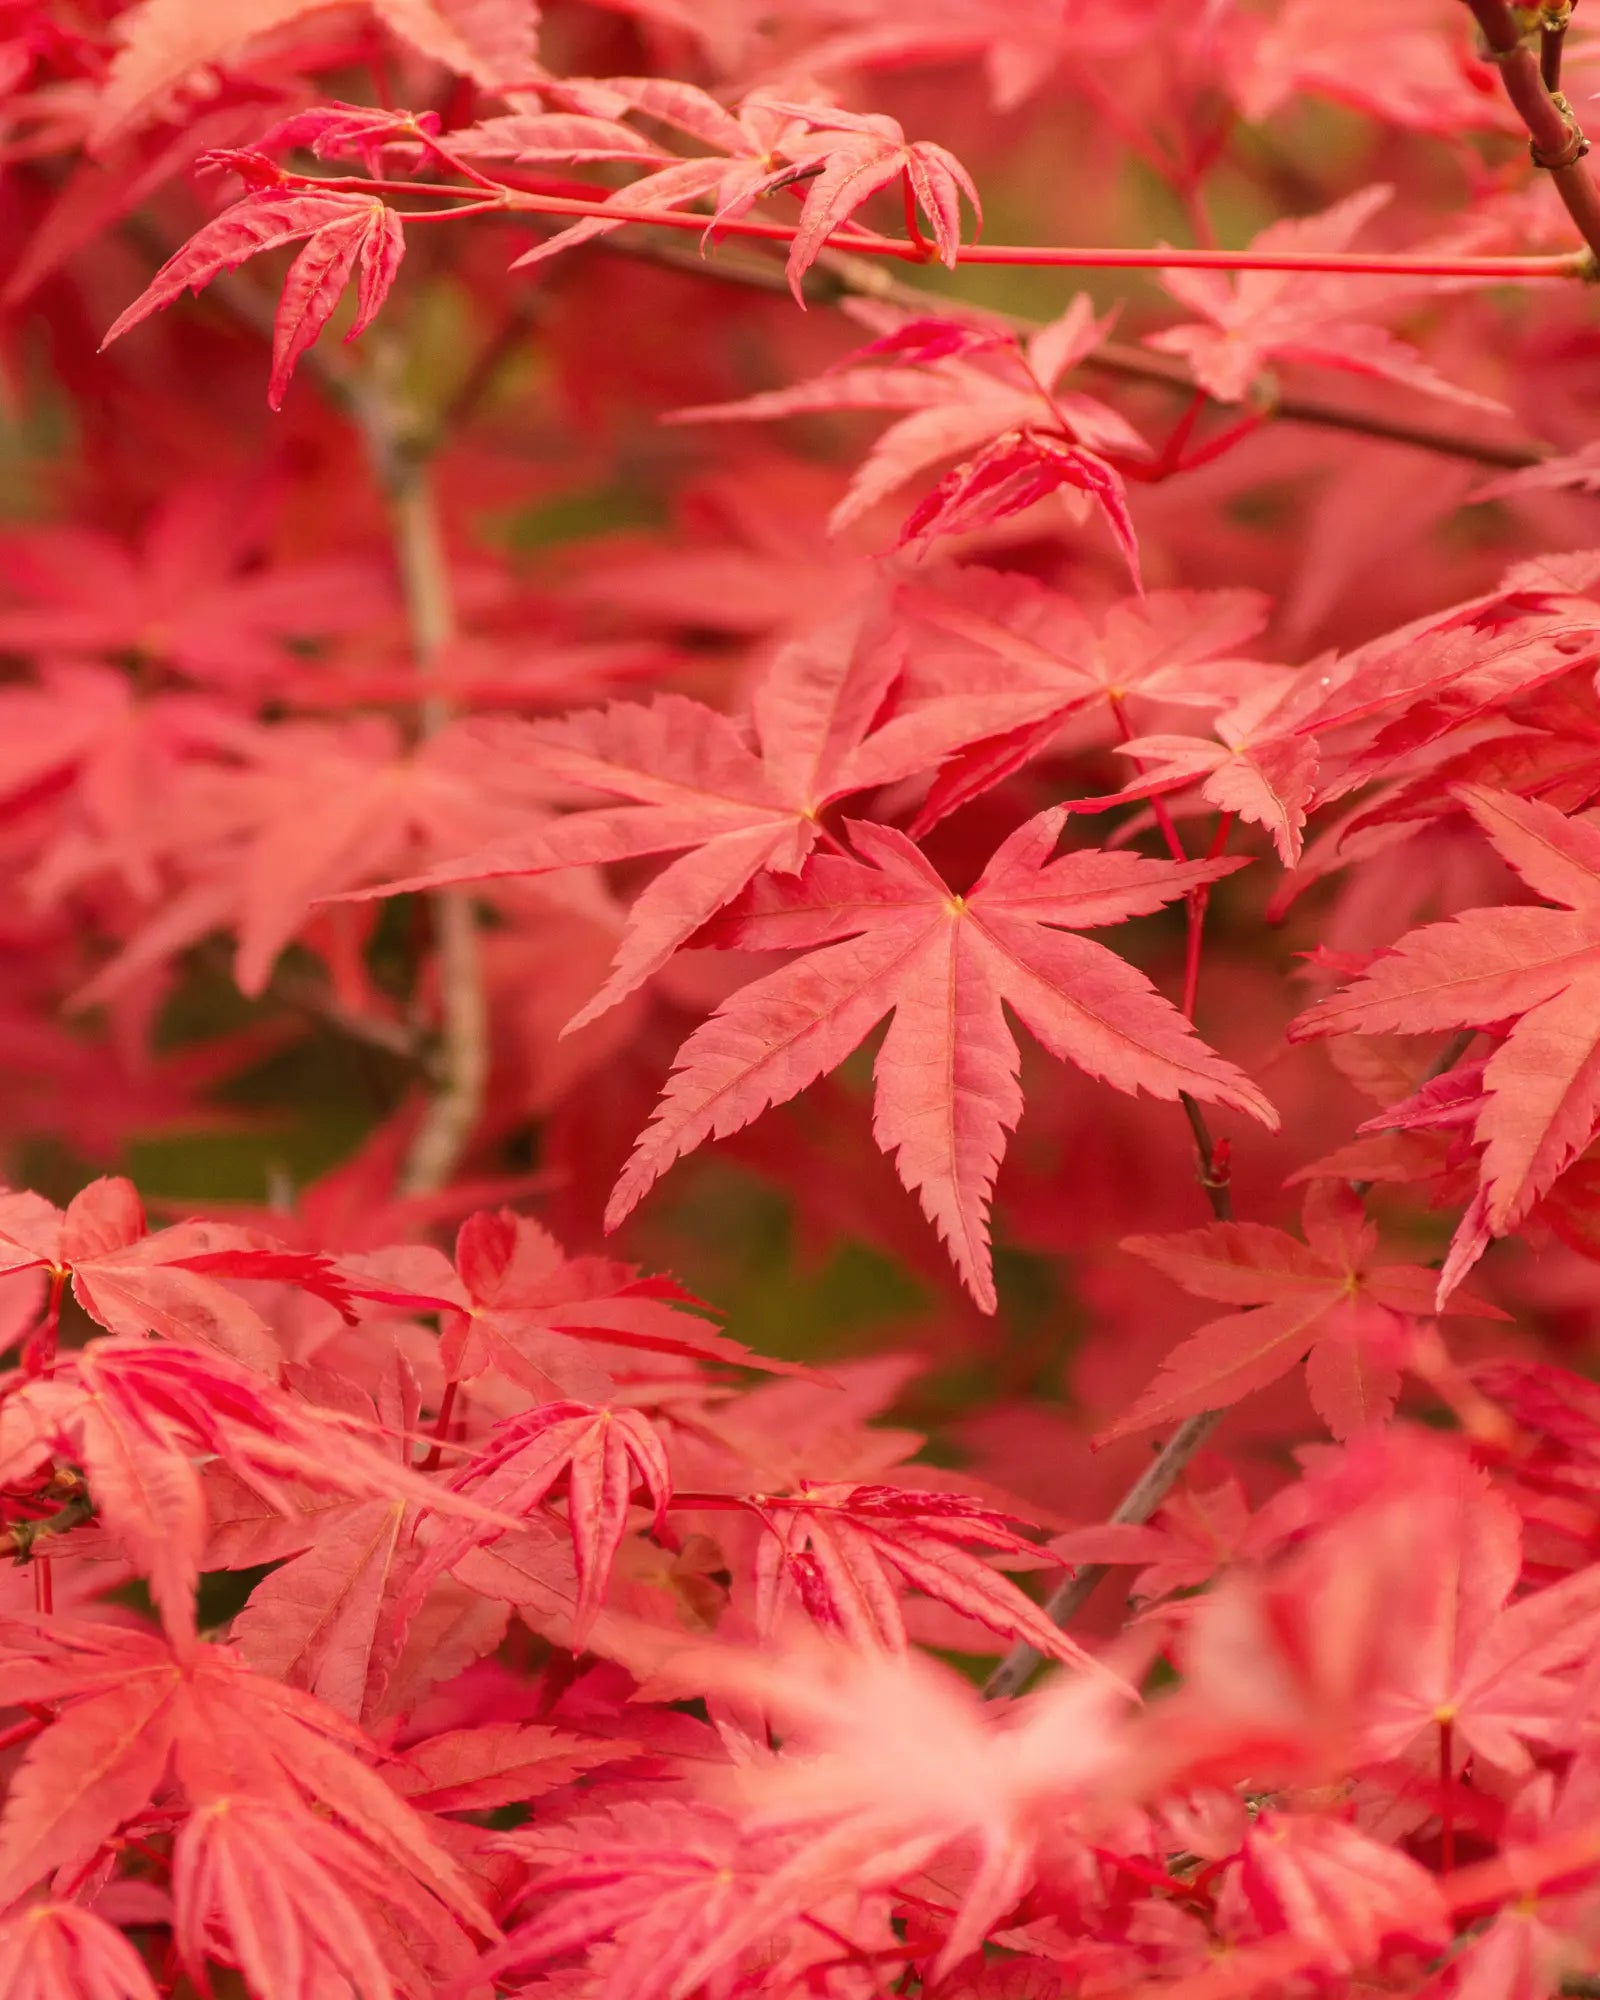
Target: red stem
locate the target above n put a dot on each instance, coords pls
(38, 1356)
(441, 1427)
(1447, 1818)
(1054, 256)
(19, 1732)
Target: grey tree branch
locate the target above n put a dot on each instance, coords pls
(400, 462)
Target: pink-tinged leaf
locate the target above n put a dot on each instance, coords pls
(947, 1093)
(500, 1764)
(1539, 968)
(315, 1623)
(319, 275)
(1341, 1895)
(1265, 316)
(274, 1888)
(61, 1951)
(925, 340)
(261, 222)
(532, 1311)
(1325, 1301)
(312, 289)
(601, 1454)
(1015, 472)
(382, 248)
(166, 42)
(847, 1552)
(91, 1770)
(1226, 1360)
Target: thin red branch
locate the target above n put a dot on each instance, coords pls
(1051, 256)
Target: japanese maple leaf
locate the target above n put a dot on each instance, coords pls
(337, 230)
(1494, 1668)
(303, 811)
(1325, 1897)
(744, 801)
(681, 1887)
(959, 403)
(61, 1951)
(997, 1792)
(166, 42)
(1253, 767)
(847, 1552)
(170, 1282)
(183, 596)
(895, 939)
(1536, 968)
(1265, 316)
(264, 1887)
(862, 153)
(325, 1620)
(137, 1415)
(499, 1764)
(528, 1310)
(1019, 44)
(1016, 471)
(1020, 659)
(602, 1455)
(1324, 1300)
(130, 1711)
(1401, 61)
(1189, 1541)
(752, 151)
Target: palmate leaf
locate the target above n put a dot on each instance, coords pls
(130, 1709)
(848, 1552)
(61, 1951)
(1326, 1301)
(731, 802)
(602, 1455)
(1537, 968)
(1264, 316)
(885, 935)
(165, 42)
(338, 229)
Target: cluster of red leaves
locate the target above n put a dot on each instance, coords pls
(388, 1621)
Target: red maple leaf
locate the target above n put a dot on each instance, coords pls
(1538, 969)
(1324, 1300)
(168, 1283)
(130, 1710)
(337, 230)
(165, 42)
(1020, 659)
(61, 1951)
(1262, 316)
(137, 1415)
(1010, 475)
(602, 1455)
(743, 800)
(895, 939)
(862, 153)
(960, 402)
(682, 1888)
(186, 596)
(527, 1309)
(847, 1552)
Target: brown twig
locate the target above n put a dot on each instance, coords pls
(19, 1538)
(1556, 139)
